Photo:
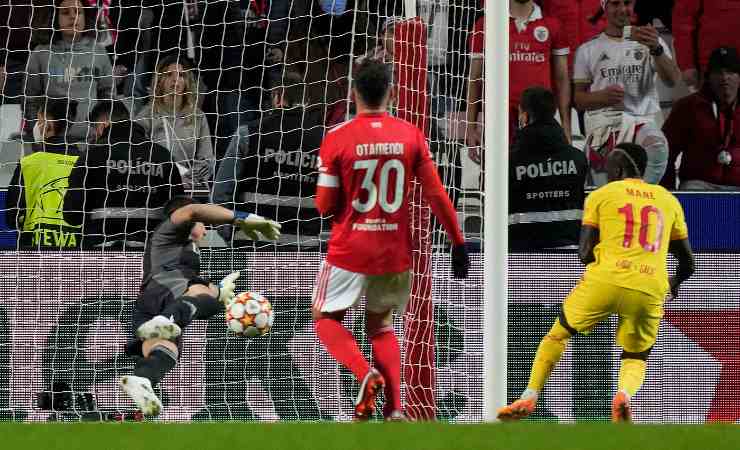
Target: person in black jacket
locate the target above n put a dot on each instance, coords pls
(118, 188)
(272, 170)
(546, 179)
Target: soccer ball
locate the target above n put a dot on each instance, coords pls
(249, 314)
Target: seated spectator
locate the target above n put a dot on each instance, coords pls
(546, 179)
(272, 170)
(118, 187)
(615, 79)
(539, 57)
(173, 119)
(704, 127)
(700, 26)
(40, 180)
(71, 66)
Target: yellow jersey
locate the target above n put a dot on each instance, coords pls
(636, 222)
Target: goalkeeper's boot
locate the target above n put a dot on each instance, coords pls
(520, 409)
(621, 409)
(139, 389)
(365, 402)
(159, 327)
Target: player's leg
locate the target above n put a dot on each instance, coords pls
(386, 294)
(588, 304)
(159, 357)
(652, 139)
(335, 292)
(200, 301)
(639, 321)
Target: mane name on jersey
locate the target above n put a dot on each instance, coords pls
(137, 167)
(546, 169)
(379, 149)
(640, 194)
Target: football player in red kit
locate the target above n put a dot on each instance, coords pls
(366, 170)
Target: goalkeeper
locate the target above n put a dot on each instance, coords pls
(173, 294)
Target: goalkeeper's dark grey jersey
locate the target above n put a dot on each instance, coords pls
(171, 259)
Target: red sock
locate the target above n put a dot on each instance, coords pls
(387, 357)
(340, 344)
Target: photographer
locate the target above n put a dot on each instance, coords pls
(703, 128)
(546, 178)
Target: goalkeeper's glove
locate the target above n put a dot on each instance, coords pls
(255, 226)
(226, 288)
(460, 261)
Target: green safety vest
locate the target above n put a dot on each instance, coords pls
(45, 181)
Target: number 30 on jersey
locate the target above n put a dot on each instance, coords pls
(379, 193)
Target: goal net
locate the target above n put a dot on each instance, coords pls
(214, 83)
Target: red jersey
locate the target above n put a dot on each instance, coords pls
(372, 160)
(531, 45)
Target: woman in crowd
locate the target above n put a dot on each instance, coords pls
(71, 65)
(173, 119)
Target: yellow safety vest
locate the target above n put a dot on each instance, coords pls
(45, 181)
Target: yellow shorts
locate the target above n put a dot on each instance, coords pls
(592, 301)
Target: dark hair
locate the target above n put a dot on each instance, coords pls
(176, 203)
(115, 111)
(539, 103)
(292, 86)
(60, 112)
(91, 19)
(637, 154)
(372, 81)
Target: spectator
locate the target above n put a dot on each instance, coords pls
(546, 179)
(117, 188)
(15, 36)
(71, 66)
(173, 119)
(704, 127)
(538, 54)
(700, 26)
(615, 83)
(272, 170)
(40, 180)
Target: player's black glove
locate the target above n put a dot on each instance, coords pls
(460, 261)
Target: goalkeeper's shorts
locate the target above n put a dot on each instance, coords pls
(151, 302)
(338, 289)
(592, 301)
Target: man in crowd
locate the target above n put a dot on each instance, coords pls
(704, 127)
(539, 53)
(272, 170)
(38, 185)
(118, 187)
(546, 179)
(700, 26)
(615, 78)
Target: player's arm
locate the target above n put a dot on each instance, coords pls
(250, 224)
(681, 249)
(587, 243)
(589, 228)
(328, 184)
(562, 85)
(439, 201)
(327, 199)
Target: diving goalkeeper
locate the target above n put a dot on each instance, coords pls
(173, 293)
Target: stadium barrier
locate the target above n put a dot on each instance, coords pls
(64, 318)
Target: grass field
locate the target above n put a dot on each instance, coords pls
(331, 436)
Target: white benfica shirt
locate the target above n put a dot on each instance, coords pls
(604, 61)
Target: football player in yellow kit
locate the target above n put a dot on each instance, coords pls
(628, 229)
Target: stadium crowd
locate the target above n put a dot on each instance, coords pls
(129, 102)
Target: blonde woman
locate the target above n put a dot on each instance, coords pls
(172, 119)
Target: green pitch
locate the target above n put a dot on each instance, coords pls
(373, 436)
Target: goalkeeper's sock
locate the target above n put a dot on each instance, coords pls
(548, 354)
(340, 344)
(186, 308)
(631, 376)
(387, 357)
(154, 367)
